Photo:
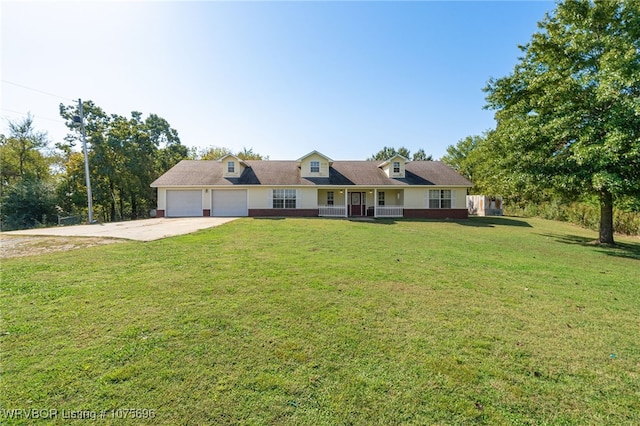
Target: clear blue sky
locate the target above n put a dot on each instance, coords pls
(283, 78)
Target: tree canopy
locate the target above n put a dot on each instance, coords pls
(217, 152)
(20, 153)
(26, 184)
(465, 158)
(568, 116)
(389, 152)
(125, 156)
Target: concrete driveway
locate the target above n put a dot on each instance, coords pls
(140, 230)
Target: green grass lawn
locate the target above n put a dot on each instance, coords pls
(312, 321)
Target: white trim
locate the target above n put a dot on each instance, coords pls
(314, 152)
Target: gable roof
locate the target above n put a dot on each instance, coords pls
(388, 161)
(287, 173)
(314, 152)
(238, 159)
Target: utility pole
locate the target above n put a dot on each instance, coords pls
(86, 161)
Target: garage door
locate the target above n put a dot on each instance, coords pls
(184, 203)
(229, 203)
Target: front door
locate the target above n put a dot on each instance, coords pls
(357, 208)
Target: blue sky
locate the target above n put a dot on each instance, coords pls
(283, 78)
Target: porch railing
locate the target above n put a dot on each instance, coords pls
(389, 211)
(332, 211)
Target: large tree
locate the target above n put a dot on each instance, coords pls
(568, 116)
(21, 153)
(125, 156)
(26, 194)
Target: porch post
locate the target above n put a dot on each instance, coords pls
(346, 202)
(375, 202)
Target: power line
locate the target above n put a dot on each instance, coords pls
(25, 114)
(38, 91)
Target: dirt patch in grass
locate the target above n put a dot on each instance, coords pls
(20, 246)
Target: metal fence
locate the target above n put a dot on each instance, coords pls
(69, 220)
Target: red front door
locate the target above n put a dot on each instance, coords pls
(357, 204)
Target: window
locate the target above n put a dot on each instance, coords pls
(315, 167)
(439, 198)
(381, 198)
(284, 198)
(396, 167)
(231, 167)
(329, 198)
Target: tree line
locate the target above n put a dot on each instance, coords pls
(40, 183)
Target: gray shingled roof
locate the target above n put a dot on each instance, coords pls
(287, 173)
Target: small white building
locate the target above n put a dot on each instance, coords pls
(484, 205)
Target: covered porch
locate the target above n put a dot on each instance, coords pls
(360, 202)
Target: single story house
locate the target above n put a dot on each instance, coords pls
(313, 185)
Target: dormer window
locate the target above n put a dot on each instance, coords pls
(231, 167)
(314, 165)
(394, 167)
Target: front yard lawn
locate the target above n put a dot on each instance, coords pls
(314, 321)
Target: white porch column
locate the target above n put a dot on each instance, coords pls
(375, 202)
(346, 202)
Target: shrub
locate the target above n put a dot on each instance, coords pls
(585, 214)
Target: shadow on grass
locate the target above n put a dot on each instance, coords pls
(493, 221)
(473, 221)
(477, 222)
(626, 250)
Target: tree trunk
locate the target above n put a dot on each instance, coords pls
(112, 204)
(606, 218)
(134, 207)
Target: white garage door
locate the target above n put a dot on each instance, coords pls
(229, 203)
(184, 203)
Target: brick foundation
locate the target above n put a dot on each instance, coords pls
(206, 212)
(436, 213)
(283, 212)
(159, 213)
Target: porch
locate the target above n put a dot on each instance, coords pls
(361, 202)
